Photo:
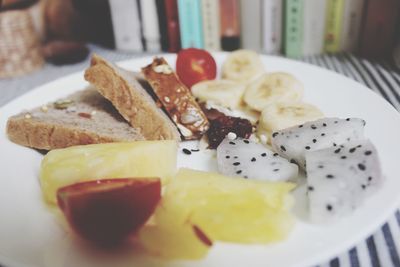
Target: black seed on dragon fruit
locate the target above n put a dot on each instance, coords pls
(315, 135)
(341, 186)
(253, 161)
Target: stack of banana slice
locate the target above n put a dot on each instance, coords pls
(275, 97)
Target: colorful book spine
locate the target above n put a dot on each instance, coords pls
(379, 32)
(190, 23)
(294, 28)
(210, 14)
(351, 25)
(271, 23)
(151, 31)
(230, 24)
(313, 26)
(172, 21)
(333, 25)
(250, 17)
(162, 24)
(126, 25)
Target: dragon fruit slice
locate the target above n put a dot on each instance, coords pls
(340, 178)
(242, 157)
(293, 142)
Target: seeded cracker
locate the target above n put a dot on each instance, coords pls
(177, 99)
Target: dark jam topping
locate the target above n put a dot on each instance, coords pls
(221, 125)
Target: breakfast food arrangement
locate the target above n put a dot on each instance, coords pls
(112, 166)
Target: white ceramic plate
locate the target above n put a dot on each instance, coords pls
(31, 235)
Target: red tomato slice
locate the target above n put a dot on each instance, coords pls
(194, 65)
(105, 212)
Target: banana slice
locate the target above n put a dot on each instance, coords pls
(242, 66)
(272, 87)
(221, 92)
(281, 115)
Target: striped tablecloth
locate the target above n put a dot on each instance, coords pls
(382, 249)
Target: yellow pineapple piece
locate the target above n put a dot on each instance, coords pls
(200, 207)
(174, 236)
(231, 209)
(62, 167)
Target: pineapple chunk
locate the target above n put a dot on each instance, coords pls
(198, 207)
(62, 167)
(231, 209)
(174, 236)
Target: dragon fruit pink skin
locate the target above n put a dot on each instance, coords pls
(292, 143)
(242, 157)
(340, 179)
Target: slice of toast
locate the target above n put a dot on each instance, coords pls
(176, 98)
(130, 99)
(84, 117)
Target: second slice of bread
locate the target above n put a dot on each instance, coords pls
(130, 99)
(88, 119)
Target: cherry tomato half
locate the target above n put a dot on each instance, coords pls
(194, 65)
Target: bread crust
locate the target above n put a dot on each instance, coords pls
(130, 99)
(36, 134)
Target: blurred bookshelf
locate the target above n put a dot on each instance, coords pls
(292, 28)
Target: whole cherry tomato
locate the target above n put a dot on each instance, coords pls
(194, 65)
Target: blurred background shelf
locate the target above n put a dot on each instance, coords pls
(293, 28)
